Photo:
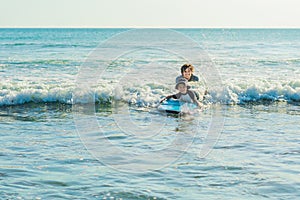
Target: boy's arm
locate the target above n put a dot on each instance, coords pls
(174, 96)
(199, 103)
(194, 98)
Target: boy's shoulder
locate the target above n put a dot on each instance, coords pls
(194, 78)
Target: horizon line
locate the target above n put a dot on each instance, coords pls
(158, 27)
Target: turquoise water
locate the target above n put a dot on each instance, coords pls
(46, 155)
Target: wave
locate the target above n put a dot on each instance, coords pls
(144, 95)
(55, 62)
(257, 93)
(47, 45)
(20, 44)
(63, 45)
(269, 62)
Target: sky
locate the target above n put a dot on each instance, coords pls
(151, 13)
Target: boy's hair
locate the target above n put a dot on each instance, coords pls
(187, 66)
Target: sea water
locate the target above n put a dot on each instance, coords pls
(108, 140)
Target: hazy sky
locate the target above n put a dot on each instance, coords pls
(150, 13)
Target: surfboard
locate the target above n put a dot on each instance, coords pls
(176, 107)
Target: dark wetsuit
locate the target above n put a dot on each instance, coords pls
(193, 78)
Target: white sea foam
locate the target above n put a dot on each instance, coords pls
(257, 92)
(145, 95)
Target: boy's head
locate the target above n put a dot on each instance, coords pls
(187, 71)
(182, 85)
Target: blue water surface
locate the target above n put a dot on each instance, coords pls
(43, 154)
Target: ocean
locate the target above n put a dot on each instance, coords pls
(79, 117)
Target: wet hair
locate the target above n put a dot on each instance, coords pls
(187, 66)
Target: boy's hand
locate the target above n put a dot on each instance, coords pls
(162, 100)
(200, 105)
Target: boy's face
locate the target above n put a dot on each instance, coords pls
(187, 73)
(182, 88)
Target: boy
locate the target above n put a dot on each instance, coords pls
(187, 71)
(184, 93)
